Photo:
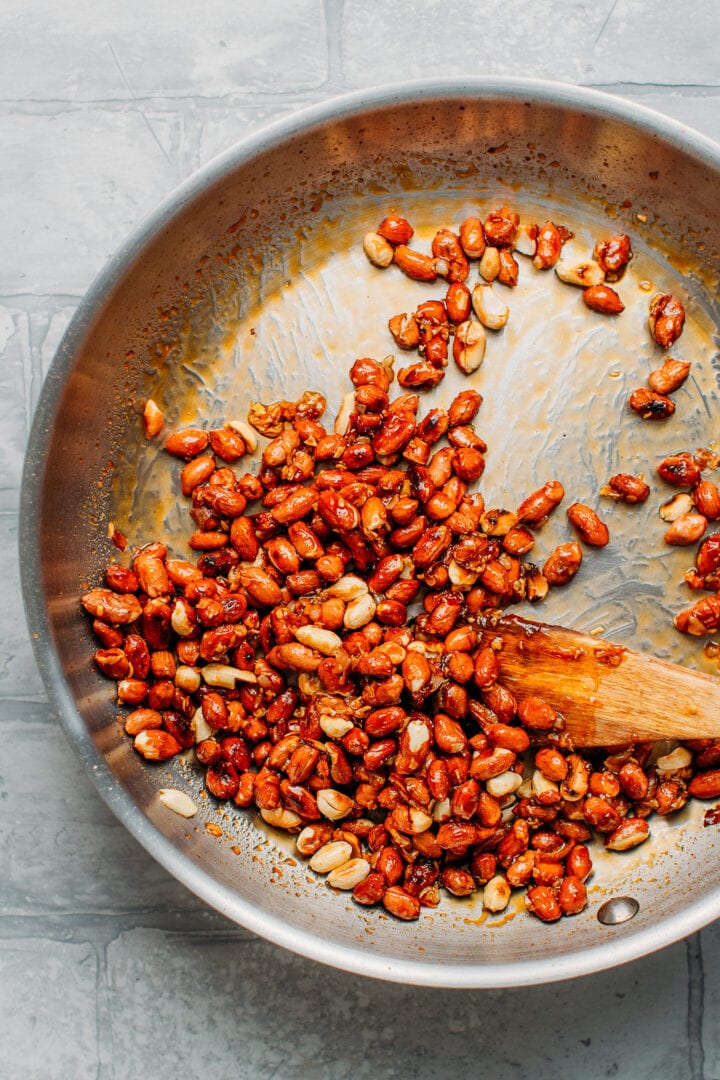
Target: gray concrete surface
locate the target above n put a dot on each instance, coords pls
(108, 967)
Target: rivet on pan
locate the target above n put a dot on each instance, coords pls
(618, 910)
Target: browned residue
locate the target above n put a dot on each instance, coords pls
(612, 655)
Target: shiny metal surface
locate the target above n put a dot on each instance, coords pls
(243, 244)
(617, 910)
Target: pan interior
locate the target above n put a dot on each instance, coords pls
(253, 285)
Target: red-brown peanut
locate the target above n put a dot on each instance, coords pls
(588, 525)
(707, 500)
(669, 377)
(680, 470)
(666, 320)
(630, 489)
(395, 229)
(603, 299)
(562, 564)
(536, 507)
(650, 405)
(401, 904)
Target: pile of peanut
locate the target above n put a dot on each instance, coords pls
(323, 655)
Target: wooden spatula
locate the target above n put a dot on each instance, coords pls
(607, 694)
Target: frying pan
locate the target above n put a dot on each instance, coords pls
(249, 283)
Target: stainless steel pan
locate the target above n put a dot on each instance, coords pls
(267, 238)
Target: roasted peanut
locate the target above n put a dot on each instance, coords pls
(401, 904)
(489, 308)
(536, 713)
(153, 419)
(613, 255)
(414, 263)
(666, 319)
(541, 901)
(395, 229)
(686, 529)
(295, 506)
(507, 268)
(572, 896)
(705, 785)
(500, 227)
(489, 266)
(551, 764)
(603, 299)
(422, 375)
(446, 246)
(113, 662)
(628, 834)
(187, 444)
(496, 894)
(227, 444)
(405, 330)
(707, 499)
(112, 608)
(469, 346)
(588, 525)
(464, 407)
(650, 405)
(562, 564)
(576, 270)
(535, 509)
(548, 246)
(630, 489)
(378, 250)
(458, 302)
(681, 470)
(669, 377)
(472, 237)
(142, 720)
(702, 618)
(707, 559)
(156, 745)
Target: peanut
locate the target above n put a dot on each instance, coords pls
(686, 529)
(472, 237)
(378, 250)
(613, 255)
(588, 525)
(669, 377)
(666, 319)
(548, 246)
(469, 346)
(414, 263)
(603, 299)
(395, 229)
(630, 489)
(651, 405)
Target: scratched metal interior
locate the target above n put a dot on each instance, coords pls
(251, 284)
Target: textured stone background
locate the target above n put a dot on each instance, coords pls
(108, 967)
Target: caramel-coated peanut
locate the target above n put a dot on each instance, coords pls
(588, 525)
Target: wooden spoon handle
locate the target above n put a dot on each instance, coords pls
(608, 695)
